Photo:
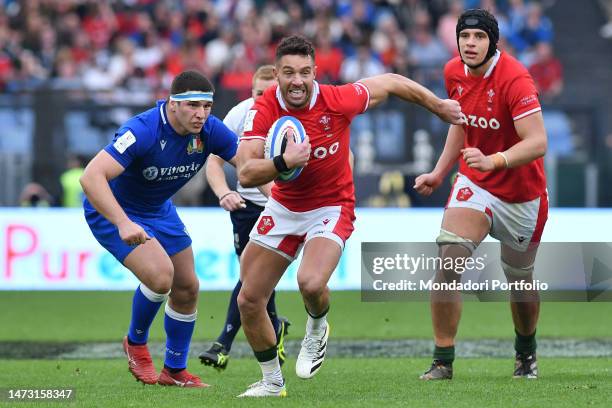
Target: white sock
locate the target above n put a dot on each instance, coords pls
(316, 325)
(271, 371)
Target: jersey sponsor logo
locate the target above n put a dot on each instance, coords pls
(459, 90)
(480, 122)
(170, 173)
(322, 152)
(124, 141)
(248, 120)
(162, 143)
(196, 145)
(464, 194)
(266, 223)
(150, 173)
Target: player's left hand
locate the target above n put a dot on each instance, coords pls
(475, 159)
(232, 201)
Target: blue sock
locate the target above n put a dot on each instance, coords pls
(232, 320)
(271, 308)
(179, 328)
(145, 305)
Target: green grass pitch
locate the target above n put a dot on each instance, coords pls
(104, 316)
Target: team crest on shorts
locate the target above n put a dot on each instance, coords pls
(464, 194)
(266, 223)
(196, 145)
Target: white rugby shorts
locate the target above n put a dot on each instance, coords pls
(515, 224)
(285, 232)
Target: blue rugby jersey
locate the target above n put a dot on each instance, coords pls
(158, 161)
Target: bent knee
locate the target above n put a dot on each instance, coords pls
(249, 302)
(514, 273)
(159, 280)
(311, 288)
(245, 301)
(188, 291)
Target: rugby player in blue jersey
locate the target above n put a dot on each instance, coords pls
(128, 186)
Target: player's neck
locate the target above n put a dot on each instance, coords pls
(481, 70)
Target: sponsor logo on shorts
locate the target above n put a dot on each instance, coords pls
(266, 223)
(326, 221)
(464, 194)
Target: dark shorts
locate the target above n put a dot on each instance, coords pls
(168, 229)
(243, 221)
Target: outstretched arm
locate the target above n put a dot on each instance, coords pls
(381, 86)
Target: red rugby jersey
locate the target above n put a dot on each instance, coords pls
(327, 179)
(491, 104)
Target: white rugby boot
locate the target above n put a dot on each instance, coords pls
(263, 388)
(312, 353)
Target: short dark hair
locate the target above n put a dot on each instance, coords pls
(190, 81)
(295, 45)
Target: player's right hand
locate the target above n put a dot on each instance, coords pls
(232, 201)
(297, 154)
(426, 183)
(449, 111)
(132, 233)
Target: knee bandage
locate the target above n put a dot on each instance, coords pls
(450, 238)
(152, 296)
(515, 271)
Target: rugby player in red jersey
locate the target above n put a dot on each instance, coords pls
(316, 210)
(500, 189)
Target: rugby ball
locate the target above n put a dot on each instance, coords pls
(276, 142)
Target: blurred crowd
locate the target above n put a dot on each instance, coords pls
(135, 47)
